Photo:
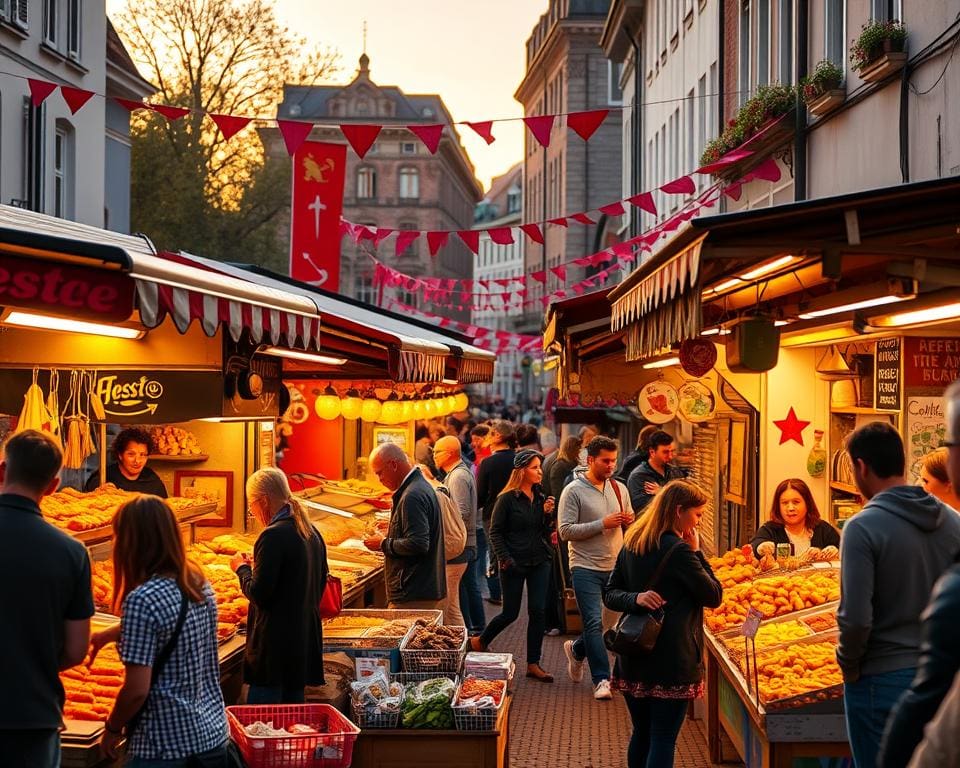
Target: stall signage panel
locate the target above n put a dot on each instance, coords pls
(887, 375)
(267, 404)
(60, 289)
(931, 362)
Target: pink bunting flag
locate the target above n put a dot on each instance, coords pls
(484, 130)
(540, 126)
(533, 231)
(75, 97)
(294, 133)
(229, 125)
(612, 209)
(471, 238)
(734, 156)
(361, 137)
(733, 191)
(584, 124)
(560, 221)
(582, 218)
(501, 235)
(346, 229)
(405, 238)
(381, 234)
(503, 282)
(583, 261)
(540, 276)
(644, 201)
(682, 186)
(430, 135)
(39, 90)
(171, 113)
(768, 170)
(560, 272)
(505, 297)
(436, 241)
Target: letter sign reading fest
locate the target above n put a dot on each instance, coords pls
(54, 288)
(315, 208)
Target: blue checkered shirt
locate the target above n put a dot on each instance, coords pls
(184, 713)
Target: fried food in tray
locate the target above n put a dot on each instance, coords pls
(436, 638)
(775, 595)
(807, 670)
(92, 689)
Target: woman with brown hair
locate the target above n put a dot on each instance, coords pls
(661, 568)
(934, 479)
(795, 520)
(170, 706)
(520, 540)
(284, 583)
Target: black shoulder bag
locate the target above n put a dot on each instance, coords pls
(636, 633)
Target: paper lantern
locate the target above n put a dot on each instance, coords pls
(418, 410)
(351, 405)
(327, 405)
(461, 402)
(391, 412)
(451, 404)
(429, 408)
(406, 410)
(370, 410)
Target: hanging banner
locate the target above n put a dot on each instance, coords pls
(931, 363)
(315, 207)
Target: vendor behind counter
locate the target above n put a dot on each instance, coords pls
(130, 472)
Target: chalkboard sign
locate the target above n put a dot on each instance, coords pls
(887, 385)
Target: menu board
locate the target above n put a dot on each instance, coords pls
(887, 375)
(931, 363)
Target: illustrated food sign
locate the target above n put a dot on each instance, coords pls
(926, 430)
(887, 379)
(931, 363)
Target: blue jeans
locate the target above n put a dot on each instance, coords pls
(31, 748)
(656, 725)
(867, 703)
(471, 602)
(270, 694)
(489, 569)
(215, 758)
(537, 578)
(588, 587)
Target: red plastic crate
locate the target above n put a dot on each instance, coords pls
(332, 747)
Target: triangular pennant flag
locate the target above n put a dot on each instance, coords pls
(644, 201)
(682, 186)
(39, 90)
(484, 130)
(560, 272)
(429, 134)
(404, 240)
(171, 113)
(768, 170)
(361, 137)
(229, 125)
(501, 235)
(612, 209)
(130, 105)
(294, 134)
(471, 237)
(583, 261)
(540, 276)
(503, 282)
(730, 158)
(561, 221)
(381, 234)
(582, 218)
(585, 123)
(436, 241)
(541, 126)
(75, 97)
(533, 231)
(733, 191)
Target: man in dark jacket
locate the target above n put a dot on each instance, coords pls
(492, 476)
(415, 565)
(891, 554)
(654, 473)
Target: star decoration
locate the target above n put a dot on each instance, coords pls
(791, 428)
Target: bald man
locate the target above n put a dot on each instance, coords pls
(413, 546)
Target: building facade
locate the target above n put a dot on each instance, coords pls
(398, 185)
(75, 166)
(567, 71)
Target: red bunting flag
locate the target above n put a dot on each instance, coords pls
(361, 137)
(582, 218)
(501, 235)
(585, 124)
(540, 126)
(75, 97)
(429, 134)
(405, 239)
(436, 241)
(484, 130)
(39, 90)
(540, 276)
(294, 133)
(612, 209)
(768, 170)
(734, 156)
(533, 231)
(734, 191)
(644, 201)
(682, 186)
(171, 113)
(583, 261)
(130, 105)
(380, 235)
(560, 221)
(560, 272)
(229, 125)
(471, 238)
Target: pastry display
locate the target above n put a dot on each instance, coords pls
(797, 669)
(174, 441)
(773, 596)
(92, 689)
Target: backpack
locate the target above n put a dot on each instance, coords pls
(454, 530)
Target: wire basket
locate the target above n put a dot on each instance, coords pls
(331, 747)
(370, 716)
(473, 718)
(436, 662)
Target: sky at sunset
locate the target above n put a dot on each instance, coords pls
(471, 52)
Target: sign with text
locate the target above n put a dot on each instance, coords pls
(315, 207)
(69, 291)
(925, 431)
(751, 624)
(886, 380)
(931, 363)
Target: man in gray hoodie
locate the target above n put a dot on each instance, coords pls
(891, 554)
(592, 510)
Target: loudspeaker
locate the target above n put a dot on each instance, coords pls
(753, 345)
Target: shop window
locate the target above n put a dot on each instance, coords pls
(366, 182)
(409, 183)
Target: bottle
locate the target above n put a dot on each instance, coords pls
(817, 459)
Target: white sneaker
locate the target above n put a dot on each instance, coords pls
(602, 691)
(574, 665)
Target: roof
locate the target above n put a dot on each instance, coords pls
(119, 58)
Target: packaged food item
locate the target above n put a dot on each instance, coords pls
(378, 692)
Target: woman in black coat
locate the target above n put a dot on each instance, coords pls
(795, 520)
(284, 583)
(658, 685)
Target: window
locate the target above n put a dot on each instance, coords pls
(63, 174)
(834, 47)
(713, 103)
(743, 80)
(672, 18)
(16, 12)
(364, 290)
(513, 200)
(409, 183)
(614, 72)
(33, 140)
(886, 10)
(74, 20)
(785, 41)
(410, 298)
(51, 21)
(703, 107)
(408, 148)
(366, 182)
(691, 136)
(763, 41)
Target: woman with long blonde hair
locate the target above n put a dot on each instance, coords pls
(284, 583)
(170, 705)
(661, 568)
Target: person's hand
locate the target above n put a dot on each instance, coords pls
(768, 563)
(650, 600)
(97, 641)
(829, 553)
(649, 487)
(549, 505)
(506, 565)
(554, 539)
(626, 518)
(241, 558)
(813, 553)
(612, 520)
(692, 537)
(382, 525)
(766, 548)
(109, 743)
(373, 543)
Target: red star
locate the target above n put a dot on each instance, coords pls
(791, 428)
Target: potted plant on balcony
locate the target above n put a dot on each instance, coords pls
(880, 50)
(822, 89)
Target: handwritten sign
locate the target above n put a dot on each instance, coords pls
(887, 375)
(751, 625)
(925, 431)
(931, 363)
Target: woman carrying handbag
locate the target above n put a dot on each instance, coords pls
(661, 570)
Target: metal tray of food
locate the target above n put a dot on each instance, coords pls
(805, 698)
(733, 642)
(339, 633)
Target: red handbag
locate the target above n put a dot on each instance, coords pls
(331, 602)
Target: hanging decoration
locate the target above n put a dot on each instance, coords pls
(658, 402)
(791, 428)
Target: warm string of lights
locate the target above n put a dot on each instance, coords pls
(353, 404)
